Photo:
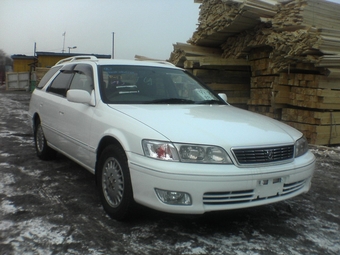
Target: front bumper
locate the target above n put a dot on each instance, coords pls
(218, 187)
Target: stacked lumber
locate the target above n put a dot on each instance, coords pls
(299, 69)
(314, 98)
(220, 19)
(301, 31)
(266, 96)
(293, 50)
(182, 51)
(229, 76)
(313, 106)
(234, 83)
(319, 126)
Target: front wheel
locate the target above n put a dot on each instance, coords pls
(114, 183)
(44, 152)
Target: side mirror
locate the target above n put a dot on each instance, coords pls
(78, 96)
(223, 96)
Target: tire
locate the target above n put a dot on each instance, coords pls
(114, 183)
(44, 152)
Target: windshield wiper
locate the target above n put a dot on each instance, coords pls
(213, 101)
(170, 101)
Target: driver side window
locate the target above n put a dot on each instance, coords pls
(60, 84)
(83, 78)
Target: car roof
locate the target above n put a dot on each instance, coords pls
(98, 61)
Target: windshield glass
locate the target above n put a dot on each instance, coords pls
(152, 85)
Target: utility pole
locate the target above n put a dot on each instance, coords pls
(113, 46)
(35, 55)
(64, 34)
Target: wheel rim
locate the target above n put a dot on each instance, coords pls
(113, 182)
(40, 139)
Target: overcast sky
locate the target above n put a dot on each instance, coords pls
(141, 27)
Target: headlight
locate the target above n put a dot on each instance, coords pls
(202, 154)
(190, 153)
(160, 150)
(301, 147)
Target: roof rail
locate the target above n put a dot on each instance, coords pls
(75, 58)
(164, 63)
(157, 61)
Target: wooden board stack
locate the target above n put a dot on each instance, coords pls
(293, 49)
(220, 19)
(230, 76)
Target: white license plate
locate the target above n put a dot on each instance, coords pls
(269, 187)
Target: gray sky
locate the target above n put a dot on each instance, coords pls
(141, 27)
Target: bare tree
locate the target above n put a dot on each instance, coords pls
(5, 61)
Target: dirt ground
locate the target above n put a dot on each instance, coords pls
(52, 207)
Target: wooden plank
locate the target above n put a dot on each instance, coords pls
(263, 81)
(310, 117)
(218, 61)
(321, 135)
(325, 93)
(229, 86)
(314, 105)
(222, 76)
(193, 50)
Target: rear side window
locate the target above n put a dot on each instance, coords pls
(48, 76)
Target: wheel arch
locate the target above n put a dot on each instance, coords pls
(104, 142)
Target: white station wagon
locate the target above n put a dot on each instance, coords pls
(154, 135)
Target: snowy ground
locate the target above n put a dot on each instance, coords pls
(53, 208)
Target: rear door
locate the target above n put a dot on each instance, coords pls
(50, 106)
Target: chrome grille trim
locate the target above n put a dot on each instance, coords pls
(292, 187)
(247, 196)
(229, 197)
(262, 155)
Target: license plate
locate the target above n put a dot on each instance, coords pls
(269, 187)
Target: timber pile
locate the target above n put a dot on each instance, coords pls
(230, 76)
(183, 50)
(293, 49)
(220, 19)
(315, 93)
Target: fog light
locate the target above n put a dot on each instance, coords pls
(173, 197)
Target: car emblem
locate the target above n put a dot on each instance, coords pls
(269, 154)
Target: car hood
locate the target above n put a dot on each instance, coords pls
(222, 125)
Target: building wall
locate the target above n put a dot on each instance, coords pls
(49, 61)
(22, 64)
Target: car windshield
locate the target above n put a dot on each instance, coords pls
(152, 85)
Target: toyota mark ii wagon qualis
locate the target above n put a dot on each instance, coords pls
(154, 135)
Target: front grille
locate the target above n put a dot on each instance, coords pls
(263, 155)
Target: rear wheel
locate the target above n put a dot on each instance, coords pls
(44, 152)
(114, 183)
